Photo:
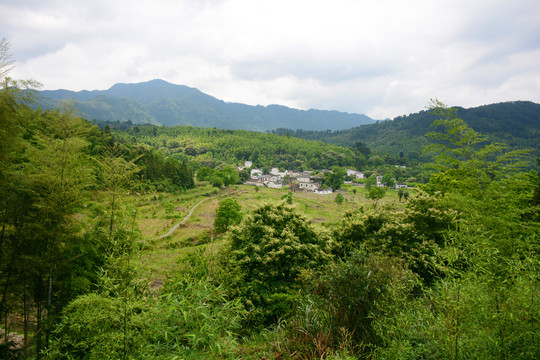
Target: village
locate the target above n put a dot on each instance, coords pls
(303, 181)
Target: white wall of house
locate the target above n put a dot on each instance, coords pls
(307, 185)
(256, 172)
(274, 185)
(323, 191)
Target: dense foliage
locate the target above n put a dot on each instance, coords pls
(55, 242)
(266, 256)
(214, 148)
(513, 123)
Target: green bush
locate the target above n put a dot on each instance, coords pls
(359, 290)
(465, 319)
(193, 315)
(267, 253)
(93, 325)
(191, 318)
(337, 315)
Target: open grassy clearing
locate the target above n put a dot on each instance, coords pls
(160, 212)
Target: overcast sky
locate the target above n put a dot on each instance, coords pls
(382, 58)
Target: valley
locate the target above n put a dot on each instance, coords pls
(145, 241)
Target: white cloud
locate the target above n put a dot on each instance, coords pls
(383, 58)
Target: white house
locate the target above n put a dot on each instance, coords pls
(275, 171)
(303, 178)
(256, 173)
(310, 186)
(355, 174)
(274, 184)
(247, 164)
(401, 186)
(323, 191)
(254, 182)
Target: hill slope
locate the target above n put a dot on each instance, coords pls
(159, 102)
(514, 123)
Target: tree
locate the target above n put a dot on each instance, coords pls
(117, 178)
(536, 191)
(228, 214)
(268, 251)
(362, 148)
(358, 291)
(371, 181)
(117, 230)
(339, 199)
(466, 165)
(335, 178)
(6, 58)
(230, 176)
(287, 197)
(388, 180)
(204, 173)
(376, 193)
(57, 174)
(244, 175)
(216, 181)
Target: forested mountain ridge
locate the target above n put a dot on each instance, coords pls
(159, 102)
(516, 124)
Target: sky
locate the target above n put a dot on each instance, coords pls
(382, 58)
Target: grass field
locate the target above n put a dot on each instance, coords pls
(160, 257)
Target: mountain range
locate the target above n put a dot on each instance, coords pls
(161, 103)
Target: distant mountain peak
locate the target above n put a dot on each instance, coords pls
(160, 102)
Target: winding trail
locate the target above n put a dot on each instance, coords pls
(173, 229)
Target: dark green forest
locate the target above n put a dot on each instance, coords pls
(516, 124)
(215, 148)
(451, 273)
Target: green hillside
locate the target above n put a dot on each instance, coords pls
(515, 123)
(216, 148)
(159, 102)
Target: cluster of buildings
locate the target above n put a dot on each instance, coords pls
(296, 180)
(300, 181)
(276, 179)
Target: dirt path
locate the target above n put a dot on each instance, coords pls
(173, 229)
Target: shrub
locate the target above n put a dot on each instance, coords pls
(359, 290)
(267, 253)
(337, 318)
